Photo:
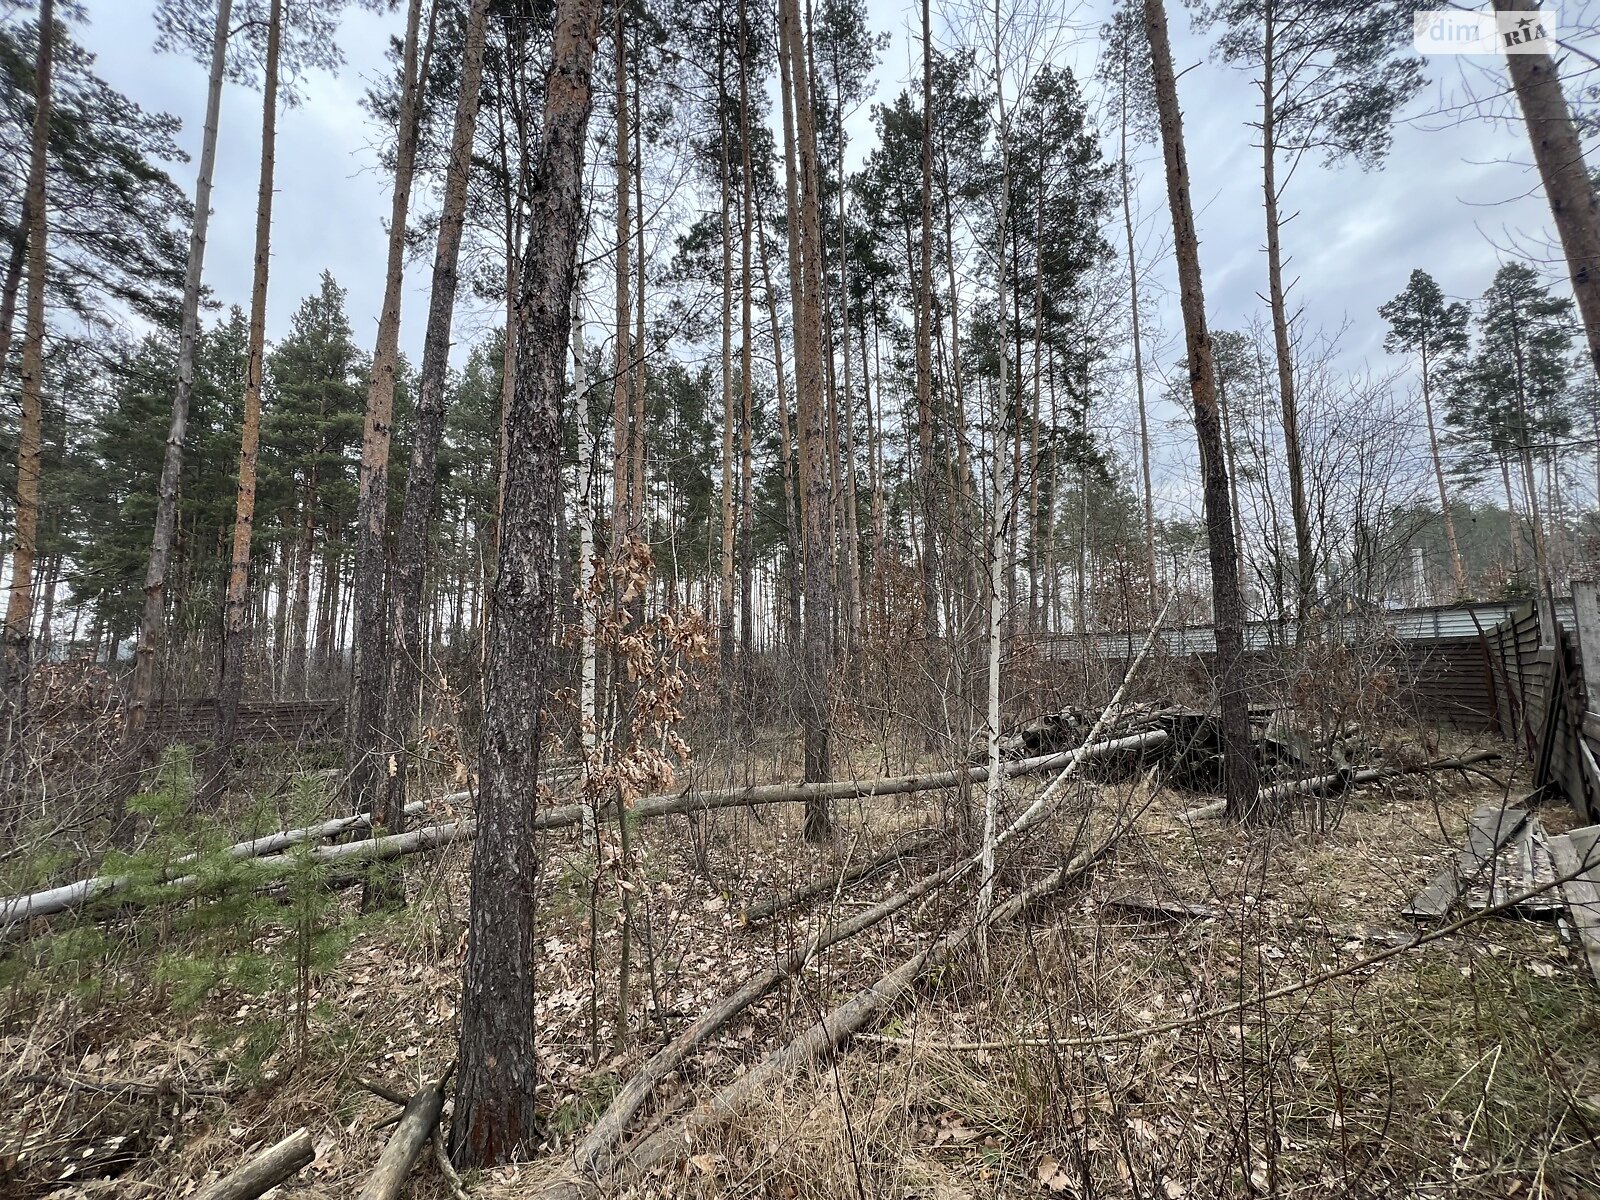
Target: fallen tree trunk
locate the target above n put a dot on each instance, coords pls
(596, 1154)
(70, 895)
(266, 1170)
(411, 1136)
(430, 837)
(1344, 779)
(672, 1142)
(764, 910)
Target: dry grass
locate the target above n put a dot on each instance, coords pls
(1468, 1068)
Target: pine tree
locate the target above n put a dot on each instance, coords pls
(1423, 324)
(496, 1112)
(1331, 74)
(1240, 777)
(166, 514)
(311, 428)
(1510, 404)
(15, 659)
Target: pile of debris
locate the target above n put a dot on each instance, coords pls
(1510, 866)
(1286, 752)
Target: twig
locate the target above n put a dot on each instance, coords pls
(384, 1092)
(452, 1180)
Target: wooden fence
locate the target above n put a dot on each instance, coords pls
(287, 721)
(1547, 698)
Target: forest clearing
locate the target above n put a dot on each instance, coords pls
(819, 599)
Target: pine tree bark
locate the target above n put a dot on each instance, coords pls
(495, 1112)
(811, 403)
(1305, 564)
(1239, 767)
(153, 619)
(1567, 185)
(236, 631)
(364, 741)
(19, 604)
(406, 647)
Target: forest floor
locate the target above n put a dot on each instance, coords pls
(144, 1054)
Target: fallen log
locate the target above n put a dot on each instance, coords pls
(764, 910)
(430, 837)
(411, 1136)
(672, 1142)
(597, 1152)
(1344, 779)
(266, 1170)
(69, 895)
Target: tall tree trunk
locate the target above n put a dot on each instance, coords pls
(236, 634)
(924, 355)
(1457, 570)
(364, 743)
(1239, 767)
(792, 508)
(1305, 565)
(496, 1113)
(406, 647)
(1567, 185)
(152, 621)
(811, 401)
(19, 605)
(1002, 508)
(589, 676)
(852, 528)
(746, 363)
(622, 431)
(636, 462)
(295, 668)
(727, 575)
(1148, 487)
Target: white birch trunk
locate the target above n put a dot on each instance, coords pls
(587, 688)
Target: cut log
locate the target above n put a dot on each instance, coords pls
(764, 910)
(1489, 828)
(411, 1136)
(266, 1170)
(352, 854)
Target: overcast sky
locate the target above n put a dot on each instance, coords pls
(1455, 197)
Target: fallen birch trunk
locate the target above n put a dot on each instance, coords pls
(266, 1170)
(430, 837)
(70, 895)
(411, 1136)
